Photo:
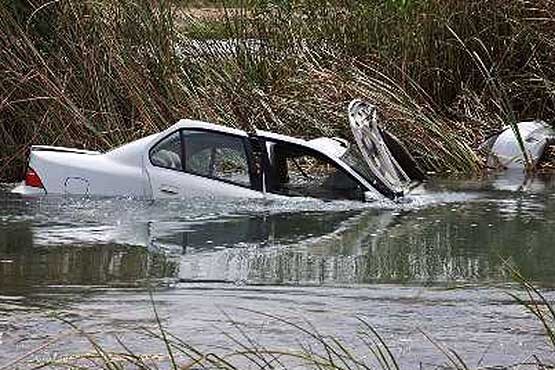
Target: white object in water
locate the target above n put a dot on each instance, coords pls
(194, 158)
(506, 152)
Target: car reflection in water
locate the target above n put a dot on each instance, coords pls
(446, 242)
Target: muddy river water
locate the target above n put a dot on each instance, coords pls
(435, 263)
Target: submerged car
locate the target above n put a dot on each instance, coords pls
(194, 158)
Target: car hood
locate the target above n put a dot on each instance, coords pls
(363, 120)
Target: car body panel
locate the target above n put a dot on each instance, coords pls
(60, 170)
(167, 183)
(62, 149)
(506, 152)
(131, 154)
(331, 147)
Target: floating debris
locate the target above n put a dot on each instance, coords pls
(505, 152)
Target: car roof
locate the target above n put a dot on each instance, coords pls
(194, 124)
(332, 147)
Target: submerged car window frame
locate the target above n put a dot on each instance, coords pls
(316, 154)
(246, 148)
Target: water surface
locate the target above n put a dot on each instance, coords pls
(435, 262)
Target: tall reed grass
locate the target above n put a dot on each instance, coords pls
(445, 74)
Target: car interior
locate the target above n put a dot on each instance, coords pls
(292, 170)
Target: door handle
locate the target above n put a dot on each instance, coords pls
(170, 190)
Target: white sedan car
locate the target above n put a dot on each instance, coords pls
(193, 158)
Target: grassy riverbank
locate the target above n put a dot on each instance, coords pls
(445, 74)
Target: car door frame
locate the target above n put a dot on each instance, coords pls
(265, 137)
(254, 190)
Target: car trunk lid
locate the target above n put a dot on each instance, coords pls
(61, 149)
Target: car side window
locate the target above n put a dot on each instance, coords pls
(217, 156)
(300, 172)
(167, 153)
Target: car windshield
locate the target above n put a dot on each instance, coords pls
(354, 159)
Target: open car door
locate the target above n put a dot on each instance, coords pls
(389, 177)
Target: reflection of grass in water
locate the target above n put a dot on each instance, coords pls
(315, 350)
(537, 304)
(319, 351)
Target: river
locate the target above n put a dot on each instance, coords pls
(434, 263)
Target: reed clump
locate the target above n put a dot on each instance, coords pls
(445, 74)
